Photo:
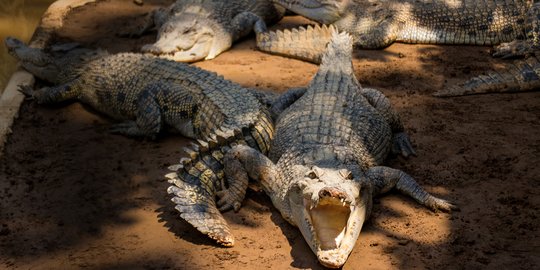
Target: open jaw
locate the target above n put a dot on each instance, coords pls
(331, 226)
(323, 11)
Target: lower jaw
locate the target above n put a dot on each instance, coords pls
(330, 260)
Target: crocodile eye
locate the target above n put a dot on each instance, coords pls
(346, 174)
(311, 175)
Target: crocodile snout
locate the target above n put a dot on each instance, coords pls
(12, 43)
(332, 192)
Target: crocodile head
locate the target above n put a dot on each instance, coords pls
(329, 207)
(57, 64)
(32, 59)
(189, 38)
(323, 11)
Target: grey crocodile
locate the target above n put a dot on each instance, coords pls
(147, 92)
(155, 92)
(324, 164)
(512, 25)
(193, 30)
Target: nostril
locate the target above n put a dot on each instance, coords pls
(328, 192)
(332, 192)
(325, 193)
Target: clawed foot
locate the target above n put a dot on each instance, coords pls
(124, 128)
(131, 129)
(229, 200)
(516, 48)
(437, 204)
(402, 145)
(27, 91)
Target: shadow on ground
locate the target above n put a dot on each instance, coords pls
(72, 195)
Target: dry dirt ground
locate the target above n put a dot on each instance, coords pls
(74, 196)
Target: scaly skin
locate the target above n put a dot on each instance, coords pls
(147, 91)
(324, 165)
(199, 178)
(194, 30)
(155, 92)
(513, 25)
(377, 24)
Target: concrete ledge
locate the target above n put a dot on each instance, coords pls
(11, 99)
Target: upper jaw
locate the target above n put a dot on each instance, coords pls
(198, 50)
(331, 226)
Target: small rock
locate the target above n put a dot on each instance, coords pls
(138, 2)
(400, 55)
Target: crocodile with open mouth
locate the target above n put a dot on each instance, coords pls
(324, 163)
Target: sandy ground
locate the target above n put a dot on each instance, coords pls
(74, 196)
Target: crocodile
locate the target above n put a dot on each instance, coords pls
(324, 163)
(512, 26)
(192, 30)
(146, 92)
(155, 91)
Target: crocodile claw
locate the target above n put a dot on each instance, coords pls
(514, 49)
(437, 204)
(228, 200)
(27, 91)
(402, 145)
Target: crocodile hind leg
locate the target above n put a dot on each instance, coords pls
(160, 104)
(527, 46)
(402, 144)
(241, 163)
(385, 178)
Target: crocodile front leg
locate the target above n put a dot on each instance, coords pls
(241, 163)
(385, 178)
(159, 104)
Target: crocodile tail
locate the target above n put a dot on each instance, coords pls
(195, 181)
(338, 55)
(522, 75)
(304, 43)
